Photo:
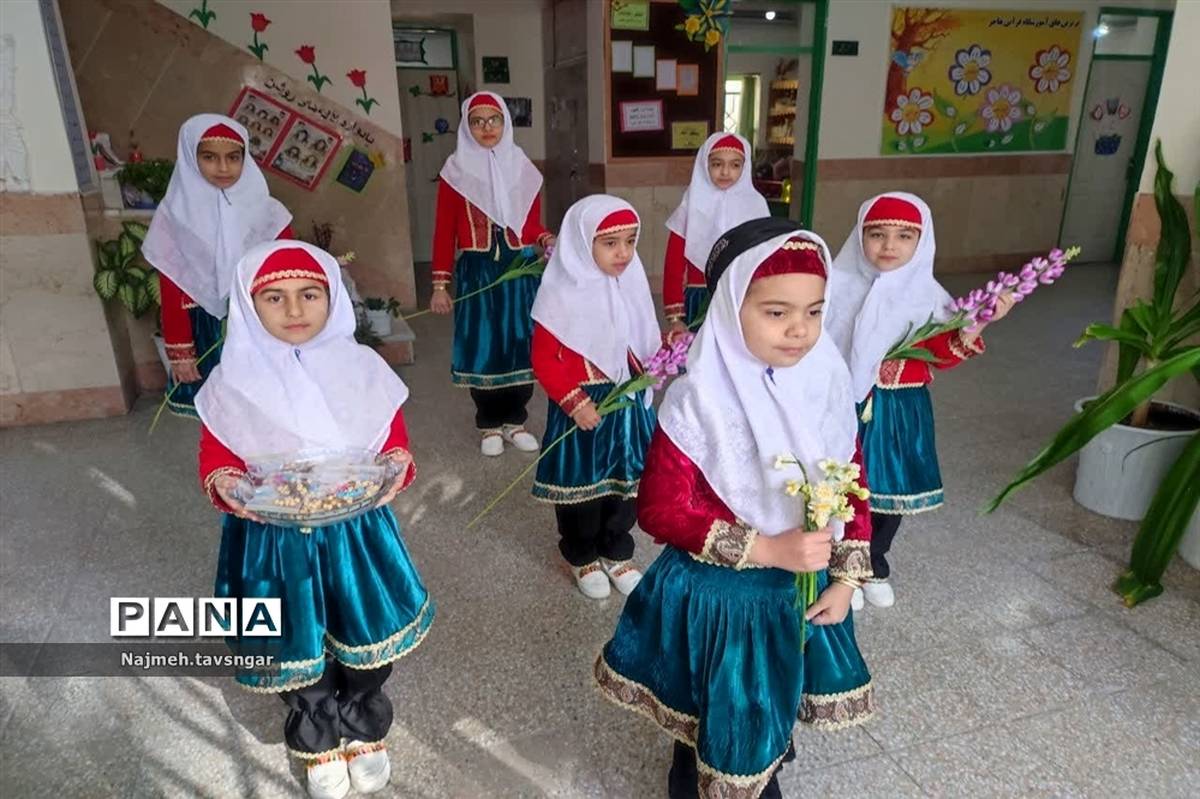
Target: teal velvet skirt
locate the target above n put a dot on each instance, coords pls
(492, 330)
(347, 588)
(587, 465)
(837, 685)
(206, 331)
(712, 656)
(899, 450)
(695, 302)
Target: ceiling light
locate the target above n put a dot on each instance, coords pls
(770, 15)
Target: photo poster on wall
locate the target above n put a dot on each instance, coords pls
(305, 152)
(264, 121)
(521, 111)
(357, 170)
(664, 68)
(971, 80)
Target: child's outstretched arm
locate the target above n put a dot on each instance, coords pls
(559, 371)
(220, 471)
(534, 231)
(674, 279)
(396, 448)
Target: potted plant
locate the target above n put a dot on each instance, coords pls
(143, 183)
(122, 274)
(1140, 458)
(379, 313)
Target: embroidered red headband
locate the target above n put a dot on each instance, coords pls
(483, 101)
(617, 222)
(285, 264)
(797, 256)
(893, 211)
(728, 143)
(222, 132)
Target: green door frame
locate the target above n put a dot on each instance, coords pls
(808, 189)
(1137, 162)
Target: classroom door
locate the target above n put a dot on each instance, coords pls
(565, 69)
(429, 114)
(1114, 130)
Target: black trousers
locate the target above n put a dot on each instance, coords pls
(497, 407)
(345, 703)
(683, 781)
(883, 530)
(598, 528)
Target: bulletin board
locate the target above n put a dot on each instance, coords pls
(661, 114)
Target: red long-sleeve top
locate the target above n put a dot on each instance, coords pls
(950, 348)
(563, 373)
(459, 225)
(679, 274)
(176, 322)
(677, 506)
(217, 460)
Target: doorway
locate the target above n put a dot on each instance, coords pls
(1128, 53)
(774, 68)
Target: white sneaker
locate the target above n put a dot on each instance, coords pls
(624, 575)
(370, 768)
(521, 438)
(328, 777)
(592, 580)
(856, 599)
(492, 443)
(879, 593)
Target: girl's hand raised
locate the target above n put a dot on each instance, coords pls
(586, 417)
(795, 550)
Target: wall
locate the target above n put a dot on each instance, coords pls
(345, 35)
(1177, 125)
(511, 28)
(56, 357)
(139, 65)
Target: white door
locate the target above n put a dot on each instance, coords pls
(430, 120)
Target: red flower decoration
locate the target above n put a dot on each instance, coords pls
(358, 77)
(307, 53)
(259, 22)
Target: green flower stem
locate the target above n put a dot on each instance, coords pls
(519, 478)
(171, 393)
(526, 270)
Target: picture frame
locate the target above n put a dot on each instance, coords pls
(264, 119)
(641, 116)
(304, 152)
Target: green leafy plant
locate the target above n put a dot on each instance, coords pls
(151, 176)
(1153, 336)
(363, 333)
(121, 272)
(391, 305)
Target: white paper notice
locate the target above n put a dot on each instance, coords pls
(622, 56)
(664, 80)
(643, 61)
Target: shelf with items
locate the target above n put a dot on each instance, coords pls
(782, 101)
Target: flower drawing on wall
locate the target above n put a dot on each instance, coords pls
(705, 21)
(969, 73)
(358, 77)
(258, 24)
(1108, 117)
(1050, 69)
(308, 54)
(202, 14)
(912, 113)
(1001, 108)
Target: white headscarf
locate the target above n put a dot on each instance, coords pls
(706, 211)
(269, 397)
(733, 418)
(200, 232)
(602, 318)
(502, 182)
(870, 311)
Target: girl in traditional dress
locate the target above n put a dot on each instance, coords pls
(217, 206)
(489, 209)
(708, 646)
(293, 378)
(883, 287)
(720, 197)
(594, 327)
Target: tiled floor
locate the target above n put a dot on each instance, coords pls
(1007, 668)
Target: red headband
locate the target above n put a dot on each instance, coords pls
(728, 143)
(285, 264)
(482, 101)
(797, 256)
(893, 211)
(222, 132)
(618, 221)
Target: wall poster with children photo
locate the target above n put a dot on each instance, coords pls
(263, 118)
(977, 81)
(305, 153)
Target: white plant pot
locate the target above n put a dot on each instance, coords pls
(1121, 468)
(1189, 545)
(380, 323)
(160, 344)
